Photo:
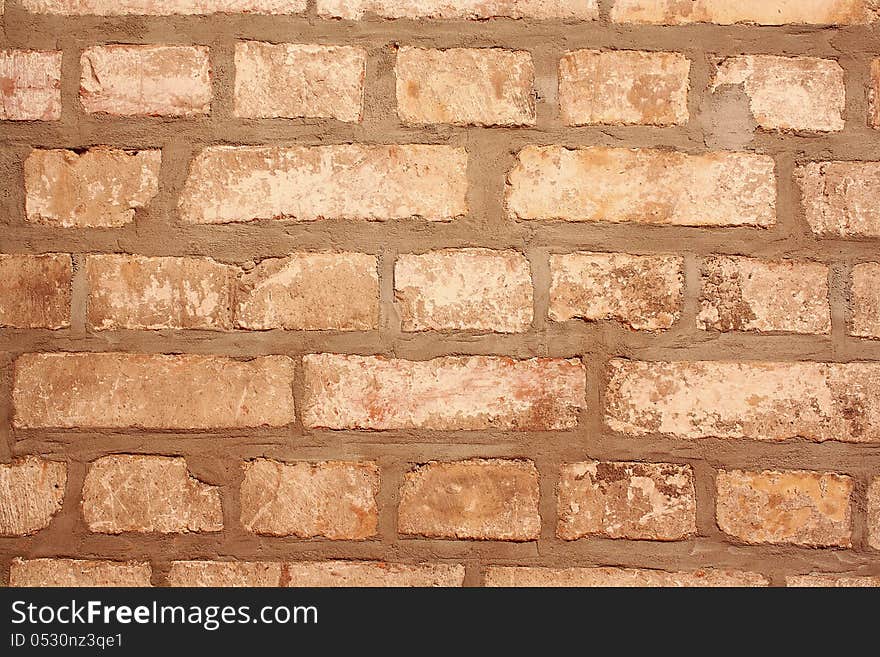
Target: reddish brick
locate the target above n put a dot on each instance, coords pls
(31, 493)
(469, 9)
(30, 85)
(35, 291)
(874, 514)
(78, 572)
(515, 576)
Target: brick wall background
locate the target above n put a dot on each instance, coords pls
(481, 292)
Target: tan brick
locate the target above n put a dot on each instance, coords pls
(644, 292)
(516, 576)
(785, 507)
(829, 580)
(225, 573)
(652, 501)
(468, 9)
(464, 289)
(305, 183)
(729, 12)
(449, 393)
(78, 572)
(35, 290)
(114, 390)
(484, 499)
(465, 86)
(640, 185)
(841, 199)
(747, 294)
(299, 81)
(865, 300)
(99, 188)
(146, 80)
(30, 85)
(788, 93)
(621, 87)
(754, 400)
(163, 7)
(311, 292)
(874, 95)
(136, 292)
(31, 493)
(332, 499)
(874, 514)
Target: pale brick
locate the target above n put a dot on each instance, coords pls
(729, 12)
(520, 576)
(146, 80)
(640, 185)
(332, 499)
(311, 292)
(31, 493)
(841, 199)
(484, 499)
(644, 292)
(78, 572)
(747, 294)
(30, 85)
(449, 393)
(305, 183)
(225, 573)
(99, 188)
(865, 300)
(874, 95)
(753, 400)
(464, 289)
(114, 390)
(651, 501)
(467, 9)
(35, 290)
(829, 580)
(785, 507)
(621, 87)
(163, 7)
(299, 81)
(465, 86)
(874, 514)
(148, 494)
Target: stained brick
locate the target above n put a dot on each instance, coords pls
(31, 85)
(31, 493)
(35, 290)
(521, 576)
(841, 199)
(78, 572)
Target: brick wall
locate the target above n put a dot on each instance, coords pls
(472, 292)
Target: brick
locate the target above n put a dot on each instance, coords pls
(465, 86)
(644, 292)
(754, 400)
(162, 7)
(311, 292)
(761, 12)
(30, 85)
(78, 572)
(332, 499)
(299, 81)
(841, 199)
(449, 393)
(621, 87)
(35, 290)
(464, 289)
(785, 507)
(348, 181)
(31, 493)
(467, 9)
(641, 185)
(822, 580)
(115, 390)
(874, 514)
(146, 80)
(99, 188)
(515, 576)
(788, 93)
(483, 499)
(874, 95)
(650, 501)
(865, 300)
(747, 294)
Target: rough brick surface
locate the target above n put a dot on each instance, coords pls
(728, 12)
(618, 577)
(163, 7)
(477, 499)
(30, 85)
(874, 514)
(476, 392)
(841, 199)
(468, 9)
(865, 300)
(35, 291)
(820, 580)
(78, 572)
(31, 493)
(874, 95)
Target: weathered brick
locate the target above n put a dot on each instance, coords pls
(516, 576)
(449, 393)
(642, 185)
(484, 499)
(785, 507)
(35, 290)
(332, 499)
(841, 199)
(78, 572)
(348, 181)
(620, 87)
(465, 86)
(788, 93)
(464, 289)
(829, 580)
(652, 501)
(31, 493)
(469, 9)
(311, 292)
(299, 81)
(30, 85)
(99, 188)
(874, 95)
(729, 12)
(748, 294)
(163, 7)
(755, 400)
(644, 292)
(874, 514)
(115, 390)
(146, 80)
(865, 300)
(148, 494)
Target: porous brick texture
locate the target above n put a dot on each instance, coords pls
(440, 293)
